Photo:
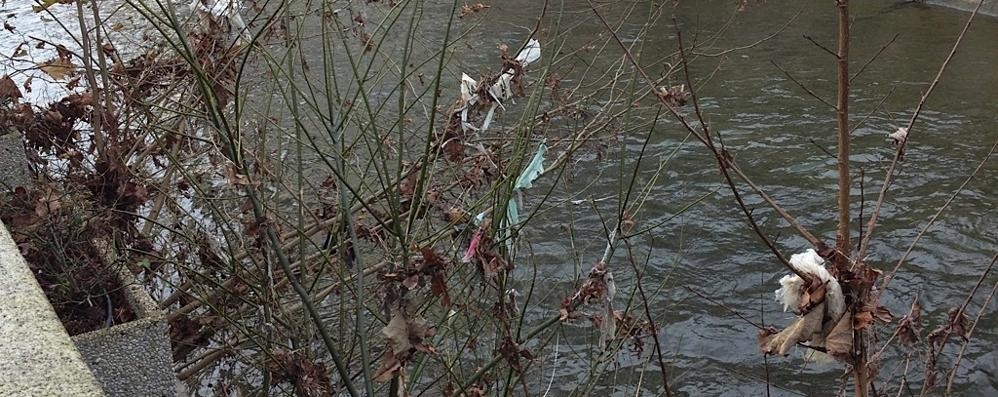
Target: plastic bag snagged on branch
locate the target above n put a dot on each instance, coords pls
(221, 12)
(820, 306)
(499, 91)
(533, 170)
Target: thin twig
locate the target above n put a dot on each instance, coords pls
(651, 320)
(822, 149)
(723, 306)
(963, 348)
(936, 351)
(874, 216)
(721, 155)
(760, 41)
(874, 57)
(809, 38)
(810, 237)
(890, 276)
(801, 85)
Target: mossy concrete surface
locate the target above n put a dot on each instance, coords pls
(37, 357)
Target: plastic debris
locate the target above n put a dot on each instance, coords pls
(533, 170)
(809, 262)
(819, 305)
(223, 11)
(898, 137)
(500, 91)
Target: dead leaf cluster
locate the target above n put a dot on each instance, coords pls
(187, 334)
(910, 326)
(674, 96)
(432, 266)
(406, 335)
(472, 9)
(514, 353)
(955, 324)
(55, 231)
(594, 289)
(9, 91)
(309, 377)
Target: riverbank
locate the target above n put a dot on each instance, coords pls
(989, 8)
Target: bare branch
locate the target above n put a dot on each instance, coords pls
(822, 148)
(963, 348)
(890, 276)
(720, 154)
(810, 237)
(760, 41)
(821, 46)
(874, 216)
(874, 111)
(842, 241)
(801, 85)
(959, 313)
(874, 57)
(651, 320)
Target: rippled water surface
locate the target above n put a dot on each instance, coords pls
(776, 131)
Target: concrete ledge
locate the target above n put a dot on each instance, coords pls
(37, 357)
(134, 358)
(13, 164)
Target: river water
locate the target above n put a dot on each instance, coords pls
(776, 131)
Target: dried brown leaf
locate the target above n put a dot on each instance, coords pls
(456, 215)
(411, 282)
(397, 333)
(838, 343)
(801, 330)
(58, 67)
(674, 96)
(8, 89)
(862, 320)
(235, 177)
(47, 203)
(310, 378)
(19, 51)
(958, 322)
(405, 334)
(438, 286)
(812, 295)
(910, 326)
(388, 368)
(472, 9)
(883, 314)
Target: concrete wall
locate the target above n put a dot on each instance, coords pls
(13, 165)
(37, 357)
